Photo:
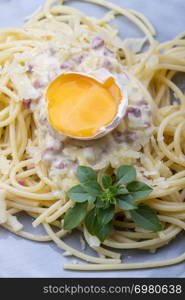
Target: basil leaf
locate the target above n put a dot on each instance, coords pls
(75, 215)
(91, 199)
(139, 190)
(126, 197)
(93, 188)
(122, 191)
(104, 231)
(86, 174)
(104, 216)
(106, 180)
(113, 190)
(126, 205)
(78, 193)
(91, 221)
(125, 174)
(146, 217)
(101, 204)
(108, 195)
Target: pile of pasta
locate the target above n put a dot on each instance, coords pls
(163, 156)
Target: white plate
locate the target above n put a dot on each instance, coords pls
(23, 258)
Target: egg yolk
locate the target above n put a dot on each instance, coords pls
(79, 105)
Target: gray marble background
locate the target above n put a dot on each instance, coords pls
(166, 15)
(22, 258)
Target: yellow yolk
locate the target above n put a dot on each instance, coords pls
(79, 105)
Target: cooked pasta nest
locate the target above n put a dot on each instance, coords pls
(59, 38)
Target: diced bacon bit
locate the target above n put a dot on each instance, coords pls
(67, 65)
(147, 124)
(26, 103)
(56, 145)
(61, 165)
(43, 120)
(147, 177)
(149, 112)
(107, 51)
(125, 136)
(30, 68)
(37, 100)
(49, 149)
(130, 136)
(78, 58)
(29, 167)
(118, 136)
(21, 181)
(117, 133)
(107, 65)
(52, 51)
(97, 42)
(143, 102)
(75, 165)
(38, 84)
(134, 111)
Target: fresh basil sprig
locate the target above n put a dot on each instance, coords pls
(96, 202)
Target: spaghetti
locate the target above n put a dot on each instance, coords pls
(37, 166)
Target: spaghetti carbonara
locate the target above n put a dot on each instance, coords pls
(38, 165)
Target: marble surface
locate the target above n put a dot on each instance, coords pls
(22, 258)
(167, 16)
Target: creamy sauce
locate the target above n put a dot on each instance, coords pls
(61, 155)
